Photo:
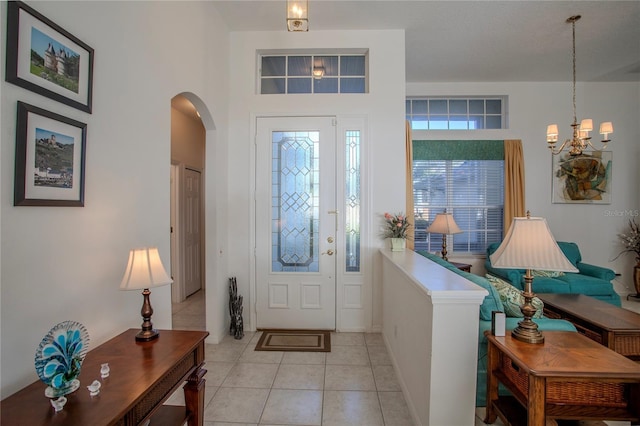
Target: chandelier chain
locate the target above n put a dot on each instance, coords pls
(573, 25)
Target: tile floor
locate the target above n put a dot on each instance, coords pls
(354, 384)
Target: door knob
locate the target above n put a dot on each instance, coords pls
(329, 252)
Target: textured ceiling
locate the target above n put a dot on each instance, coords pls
(478, 41)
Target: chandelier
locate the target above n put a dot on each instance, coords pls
(581, 139)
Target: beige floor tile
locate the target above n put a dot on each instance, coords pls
(239, 405)
(349, 377)
(348, 355)
(348, 339)
(248, 335)
(255, 338)
(216, 372)
(294, 376)
(250, 375)
(349, 408)
(394, 409)
(379, 355)
(304, 358)
(222, 353)
(228, 424)
(386, 379)
(293, 407)
(372, 339)
(261, 357)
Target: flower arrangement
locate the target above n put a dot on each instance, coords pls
(396, 226)
(631, 240)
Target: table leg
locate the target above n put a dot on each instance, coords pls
(492, 383)
(194, 396)
(536, 413)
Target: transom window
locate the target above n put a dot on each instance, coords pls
(289, 74)
(433, 113)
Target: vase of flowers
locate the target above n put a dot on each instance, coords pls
(631, 243)
(396, 230)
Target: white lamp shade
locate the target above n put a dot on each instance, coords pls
(552, 130)
(144, 270)
(606, 128)
(444, 224)
(529, 244)
(586, 125)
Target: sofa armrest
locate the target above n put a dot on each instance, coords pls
(596, 271)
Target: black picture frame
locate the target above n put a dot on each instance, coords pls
(50, 159)
(47, 59)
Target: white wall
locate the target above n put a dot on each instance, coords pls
(66, 263)
(384, 151)
(534, 105)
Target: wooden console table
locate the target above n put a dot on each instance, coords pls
(611, 326)
(143, 376)
(567, 377)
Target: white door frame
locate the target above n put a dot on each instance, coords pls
(354, 292)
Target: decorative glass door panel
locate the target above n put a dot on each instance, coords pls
(295, 201)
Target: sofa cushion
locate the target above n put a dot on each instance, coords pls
(512, 298)
(584, 284)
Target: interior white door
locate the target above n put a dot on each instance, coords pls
(192, 231)
(296, 223)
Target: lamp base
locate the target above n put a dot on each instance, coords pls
(147, 335)
(527, 331)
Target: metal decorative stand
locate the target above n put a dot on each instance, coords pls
(236, 327)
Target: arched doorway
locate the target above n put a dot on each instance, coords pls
(188, 138)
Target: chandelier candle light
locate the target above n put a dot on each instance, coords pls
(145, 270)
(580, 139)
(445, 225)
(529, 245)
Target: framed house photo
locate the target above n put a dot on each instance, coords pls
(582, 179)
(46, 59)
(50, 159)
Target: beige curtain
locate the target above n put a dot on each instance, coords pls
(409, 184)
(513, 182)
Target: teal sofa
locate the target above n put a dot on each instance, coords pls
(492, 303)
(591, 280)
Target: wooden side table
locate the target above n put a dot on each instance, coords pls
(143, 376)
(462, 266)
(567, 377)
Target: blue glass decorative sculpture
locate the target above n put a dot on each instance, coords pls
(59, 357)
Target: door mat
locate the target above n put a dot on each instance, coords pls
(295, 341)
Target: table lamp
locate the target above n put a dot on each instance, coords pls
(445, 225)
(144, 271)
(529, 245)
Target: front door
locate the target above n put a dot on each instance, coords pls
(296, 223)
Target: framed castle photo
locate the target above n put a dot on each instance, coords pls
(50, 159)
(582, 179)
(46, 59)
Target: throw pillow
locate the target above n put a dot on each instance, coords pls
(548, 274)
(512, 298)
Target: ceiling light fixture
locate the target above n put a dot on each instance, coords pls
(297, 15)
(581, 139)
(318, 73)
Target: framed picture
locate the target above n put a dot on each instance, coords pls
(50, 158)
(582, 179)
(46, 59)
